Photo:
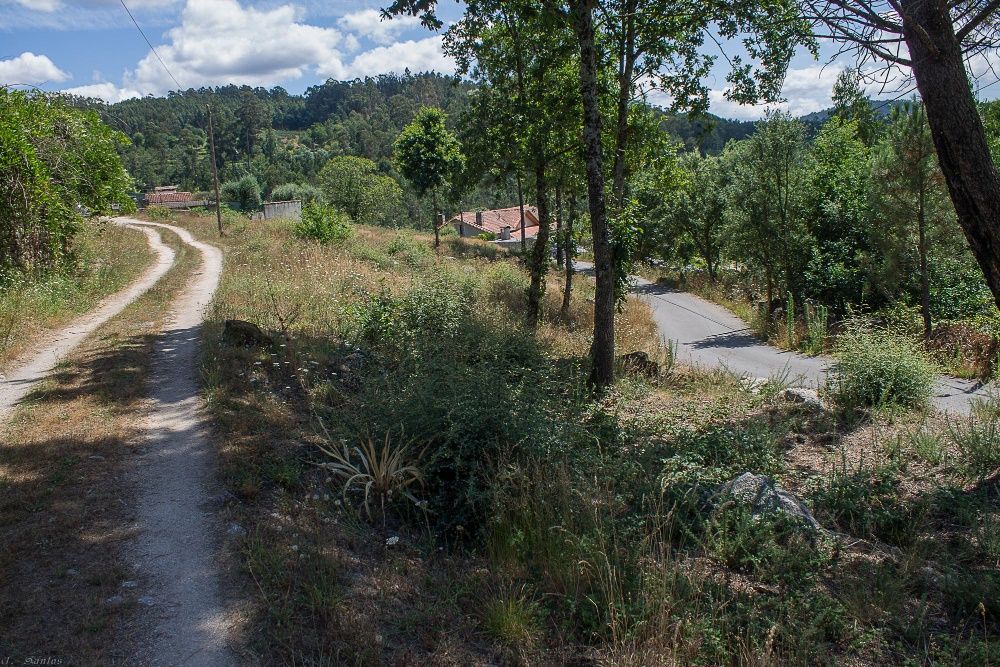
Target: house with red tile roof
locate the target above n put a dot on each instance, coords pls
(502, 223)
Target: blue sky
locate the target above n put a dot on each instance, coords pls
(91, 47)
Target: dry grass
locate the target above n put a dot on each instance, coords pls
(109, 258)
(65, 500)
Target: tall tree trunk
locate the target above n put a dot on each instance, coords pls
(602, 350)
(437, 234)
(540, 251)
(957, 129)
(520, 206)
(568, 242)
(559, 218)
(925, 284)
(626, 70)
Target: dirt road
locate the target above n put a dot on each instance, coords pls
(26, 372)
(177, 550)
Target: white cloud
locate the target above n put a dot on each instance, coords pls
(806, 89)
(53, 5)
(416, 55)
(40, 5)
(221, 41)
(30, 69)
(369, 23)
(108, 92)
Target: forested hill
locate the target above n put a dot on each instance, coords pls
(281, 138)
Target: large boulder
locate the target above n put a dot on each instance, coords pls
(764, 496)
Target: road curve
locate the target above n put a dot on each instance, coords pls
(708, 335)
(26, 372)
(178, 547)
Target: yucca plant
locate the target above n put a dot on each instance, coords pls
(384, 470)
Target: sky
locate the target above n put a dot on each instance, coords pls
(92, 48)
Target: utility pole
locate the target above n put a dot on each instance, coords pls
(215, 169)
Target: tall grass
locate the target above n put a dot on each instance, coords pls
(106, 258)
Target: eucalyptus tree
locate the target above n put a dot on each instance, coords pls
(935, 42)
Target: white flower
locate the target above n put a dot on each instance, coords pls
(392, 541)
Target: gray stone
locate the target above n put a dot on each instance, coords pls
(130, 584)
(147, 600)
(236, 530)
(803, 396)
(764, 496)
(115, 601)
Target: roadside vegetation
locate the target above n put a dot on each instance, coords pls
(416, 479)
(57, 163)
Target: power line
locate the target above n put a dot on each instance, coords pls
(150, 44)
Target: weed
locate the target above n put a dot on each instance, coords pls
(877, 368)
(511, 616)
(978, 439)
(385, 472)
(927, 446)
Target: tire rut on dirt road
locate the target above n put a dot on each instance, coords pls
(26, 372)
(182, 618)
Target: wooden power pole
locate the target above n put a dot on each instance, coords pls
(215, 170)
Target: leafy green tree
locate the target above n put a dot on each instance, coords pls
(695, 210)
(245, 193)
(56, 162)
(356, 186)
(836, 207)
(428, 155)
(764, 218)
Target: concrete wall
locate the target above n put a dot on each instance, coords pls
(287, 210)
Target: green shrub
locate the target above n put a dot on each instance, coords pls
(157, 212)
(245, 193)
(302, 191)
(324, 223)
(875, 368)
(868, 503)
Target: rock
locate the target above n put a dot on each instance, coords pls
(115, 601)
(147, 600)
(130, 584)
(72, 572)
(756, 385)
(236, 530)
(766, 497)
(640, 363)
(247, 334)
(801, 395)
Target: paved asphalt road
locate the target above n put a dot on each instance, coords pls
(708, 335)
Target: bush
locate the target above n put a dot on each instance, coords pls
(876, 368)
(324, 223)
(245, 193)
(301, 191)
